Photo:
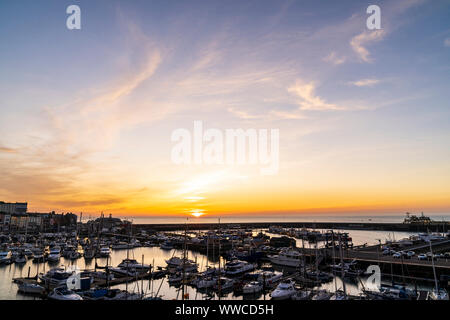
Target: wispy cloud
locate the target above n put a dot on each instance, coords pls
(308, 100)
(360, 42)
(7, 150)
(334, 58)
(365, 82)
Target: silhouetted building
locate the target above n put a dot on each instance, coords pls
(13, 208)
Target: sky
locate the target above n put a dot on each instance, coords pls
(86, 116)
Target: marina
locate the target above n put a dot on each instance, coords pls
(102, 260)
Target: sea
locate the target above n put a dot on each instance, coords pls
(268, 218)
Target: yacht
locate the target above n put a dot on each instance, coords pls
(252, 287)
(63, 294)
(5, 257)
(237, 267)
(133, 264)
(31, 288)
(166, 245)
(287, 257)
(55, 277)
(270, 277)
(121, 246)
(319, 275)
(350, 269)
(55, 254)
(284, 290)
(210, 271)
(188, 267)
(224, 284)
(175, 278)
(440, 294)
(123, 272)
(206, 282)
(177, 262)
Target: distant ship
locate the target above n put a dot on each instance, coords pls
(413, 219)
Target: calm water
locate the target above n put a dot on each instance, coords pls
(157, 257)
(273, 218)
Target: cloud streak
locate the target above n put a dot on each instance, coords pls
(308, 100)
(365, 82)
(360, 42)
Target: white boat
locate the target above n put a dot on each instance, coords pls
(237, 267)
(133, 264)
(55, 254)
(287, 257)
(63, 294)
(252, 287)
(55, 277)
(440, 294)
(32, 288)
(176, 261)
(5, 257)
(284, 290)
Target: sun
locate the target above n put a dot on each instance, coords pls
(197, 213)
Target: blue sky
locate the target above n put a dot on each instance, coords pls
(86, 115)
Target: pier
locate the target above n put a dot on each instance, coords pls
(367, 226)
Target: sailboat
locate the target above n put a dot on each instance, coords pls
(437, 293)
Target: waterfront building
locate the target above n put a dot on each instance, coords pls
(13, 208)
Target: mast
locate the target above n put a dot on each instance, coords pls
(128, 256)
(342, 267)
(334, 261)
(434, 269)
(184, 262)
